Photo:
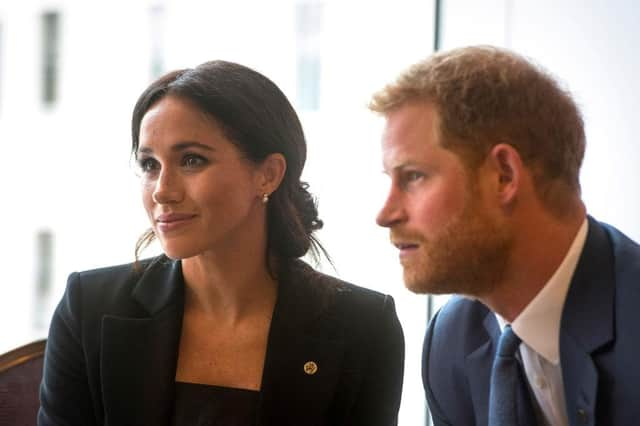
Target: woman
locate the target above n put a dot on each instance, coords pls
(228, 327)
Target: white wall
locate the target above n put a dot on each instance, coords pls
(67, 169)
(592, 47)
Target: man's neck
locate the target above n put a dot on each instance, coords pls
(540, 246)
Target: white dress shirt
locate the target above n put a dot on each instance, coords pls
(538, 325)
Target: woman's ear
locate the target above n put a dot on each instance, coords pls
(507, 167)
(271, 173)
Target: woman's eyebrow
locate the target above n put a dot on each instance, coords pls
(180, 146)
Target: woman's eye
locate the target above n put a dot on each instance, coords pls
(193, 161)
(147, 165)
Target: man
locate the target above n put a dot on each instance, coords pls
(484, 149)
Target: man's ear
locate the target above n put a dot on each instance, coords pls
(271, 173)
(508, 170)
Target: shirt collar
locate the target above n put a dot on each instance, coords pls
(538, 325)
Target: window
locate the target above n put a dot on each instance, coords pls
(308, 64)
(50, 54)
(1, 38)
(44, 271)
(156, 24)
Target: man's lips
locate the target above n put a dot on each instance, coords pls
(405, 246)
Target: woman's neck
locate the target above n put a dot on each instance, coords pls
(228, 288)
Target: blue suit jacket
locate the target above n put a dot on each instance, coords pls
(113, 346)
(599, 343)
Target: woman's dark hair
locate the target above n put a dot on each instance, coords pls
(258, 119)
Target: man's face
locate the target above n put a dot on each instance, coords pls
(451, 240)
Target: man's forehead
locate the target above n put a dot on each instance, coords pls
(404, 154)
(408, 137)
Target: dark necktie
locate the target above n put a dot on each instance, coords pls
(509, 398)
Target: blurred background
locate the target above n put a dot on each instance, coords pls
(71, 70)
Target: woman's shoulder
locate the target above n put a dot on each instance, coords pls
(109, 287)
(111, 276)
(124, 270)
(338, 294)
(343, 311)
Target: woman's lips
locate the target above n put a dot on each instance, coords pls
(172, 221)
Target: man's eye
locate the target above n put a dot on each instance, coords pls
(410, 178)
(413, 176)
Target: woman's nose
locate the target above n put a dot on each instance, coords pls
(167, 188)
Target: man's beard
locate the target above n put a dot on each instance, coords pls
(467, 257)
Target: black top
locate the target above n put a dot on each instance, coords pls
(207, 405)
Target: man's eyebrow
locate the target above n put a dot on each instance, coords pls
(399, 167)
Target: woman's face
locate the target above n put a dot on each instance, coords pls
(200, 194)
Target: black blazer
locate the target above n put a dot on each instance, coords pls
(113, 345)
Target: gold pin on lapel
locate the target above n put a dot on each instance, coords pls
(310, 368)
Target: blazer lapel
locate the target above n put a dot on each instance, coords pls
(478, 366)
(139, 355)
(587, 324)
(292, 394)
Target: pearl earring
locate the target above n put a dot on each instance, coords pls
(265, 198)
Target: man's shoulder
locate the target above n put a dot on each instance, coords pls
(608, 242)
(460, 326)
(624, 248)
(626, 271)
(458, 332)
(460, 308)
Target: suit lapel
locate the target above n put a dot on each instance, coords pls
(289, 395)
(478, 368)
(587, 324)
(139, 355)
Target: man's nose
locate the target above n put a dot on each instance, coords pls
(392, 211)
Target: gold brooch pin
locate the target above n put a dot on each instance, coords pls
(310, 367)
